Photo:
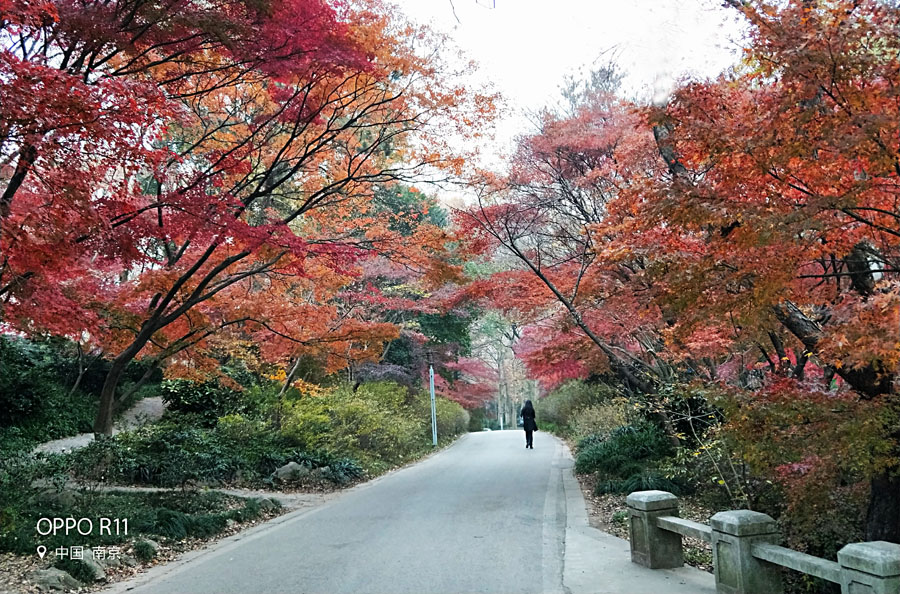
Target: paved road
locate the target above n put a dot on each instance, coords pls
(485, 515)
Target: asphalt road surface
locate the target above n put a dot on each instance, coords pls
(485, 515)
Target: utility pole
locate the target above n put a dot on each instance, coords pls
(433, 411)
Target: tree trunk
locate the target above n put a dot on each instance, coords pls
(289, 378)
(81, 370)
(104, 422)
(883, 516)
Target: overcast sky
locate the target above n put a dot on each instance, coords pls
(526, 47)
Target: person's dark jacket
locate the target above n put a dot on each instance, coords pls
(528, 419)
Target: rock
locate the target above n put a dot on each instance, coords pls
(229, 524)
(153, 544)
(323, 473)
(290, 472)
(53, 579)
(94, 567)
(65, 499)
(145, 549)
(267, 504)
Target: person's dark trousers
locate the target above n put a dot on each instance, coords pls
(528, 437)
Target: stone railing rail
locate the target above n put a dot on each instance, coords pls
(746, 555)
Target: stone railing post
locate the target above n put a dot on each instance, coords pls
(737, 570)
(651, 546)
(870, 568)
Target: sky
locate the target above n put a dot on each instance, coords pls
(526, 47)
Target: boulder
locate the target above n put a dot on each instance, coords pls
(95, 567)
(109, 562)
(290, 472)
(59, 499)
(323, 473)
(53, 579)
(145, 555)
(267, 504)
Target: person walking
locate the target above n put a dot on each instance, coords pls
(529, 424)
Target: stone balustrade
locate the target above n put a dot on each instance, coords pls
(747, 558)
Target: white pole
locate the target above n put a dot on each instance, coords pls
(433, 413)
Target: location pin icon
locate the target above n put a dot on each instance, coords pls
(41, 551)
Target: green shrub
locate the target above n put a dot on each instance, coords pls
(381, 423)
(626, 447)
(250, 511)
(620, 517)
(177, 524)
(34, 397)
(562, 407)
(144, 551)
(207, 401)
(168, 454)
(452, 418)
(599, 419)
(477, 420)
(20, 476)
(590, 440)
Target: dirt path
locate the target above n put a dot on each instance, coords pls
(143, 412)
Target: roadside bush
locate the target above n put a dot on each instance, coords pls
(626, 459)
(144, 551)
(625, 447)
(169, 454)
(206, 401)
(381, 423)
(452, 418)
(22, 479)
(78, 569)
(560, 410)
(638, 480)
(599, 419)
(477, 421)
